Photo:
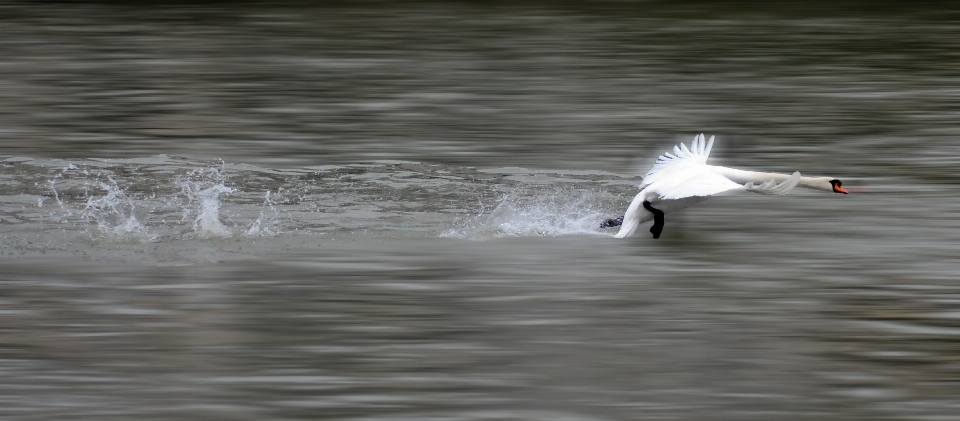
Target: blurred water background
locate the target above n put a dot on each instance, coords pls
(390, 211)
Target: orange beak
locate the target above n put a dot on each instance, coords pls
(839, 189)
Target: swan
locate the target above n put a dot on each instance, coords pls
(682, 179)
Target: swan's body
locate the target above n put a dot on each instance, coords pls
(683, 179)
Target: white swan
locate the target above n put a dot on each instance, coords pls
(682, 179)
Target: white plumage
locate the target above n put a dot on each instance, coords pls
(683, 178)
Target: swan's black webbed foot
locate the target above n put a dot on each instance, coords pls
(657, 227)
(613, 222)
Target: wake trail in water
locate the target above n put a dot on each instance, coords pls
(67, 207)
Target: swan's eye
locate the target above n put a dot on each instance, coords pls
(836, 187)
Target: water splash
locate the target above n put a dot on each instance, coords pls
(547, 214)
(114, 213)
(204, 192)
(52, 185)
(262, 227)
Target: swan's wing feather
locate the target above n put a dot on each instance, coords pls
(706, 150)
(772, 188)
(700, 182)
(681, 158)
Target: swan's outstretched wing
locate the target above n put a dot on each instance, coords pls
(668, 165)
(693, 183)
(685, 173)
(772, 188)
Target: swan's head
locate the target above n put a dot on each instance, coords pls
(823, 184)
(835, 186)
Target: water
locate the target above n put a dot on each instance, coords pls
(392, 213)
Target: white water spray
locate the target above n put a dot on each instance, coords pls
(114, 213)
(546, 214)
(206, 195)
(208, 222)
(262, 226)
(544, 217)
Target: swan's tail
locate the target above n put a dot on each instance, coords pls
(635, 214)
(627, 228)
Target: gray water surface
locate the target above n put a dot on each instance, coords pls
(392, 213)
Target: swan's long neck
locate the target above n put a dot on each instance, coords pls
(743, 177)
